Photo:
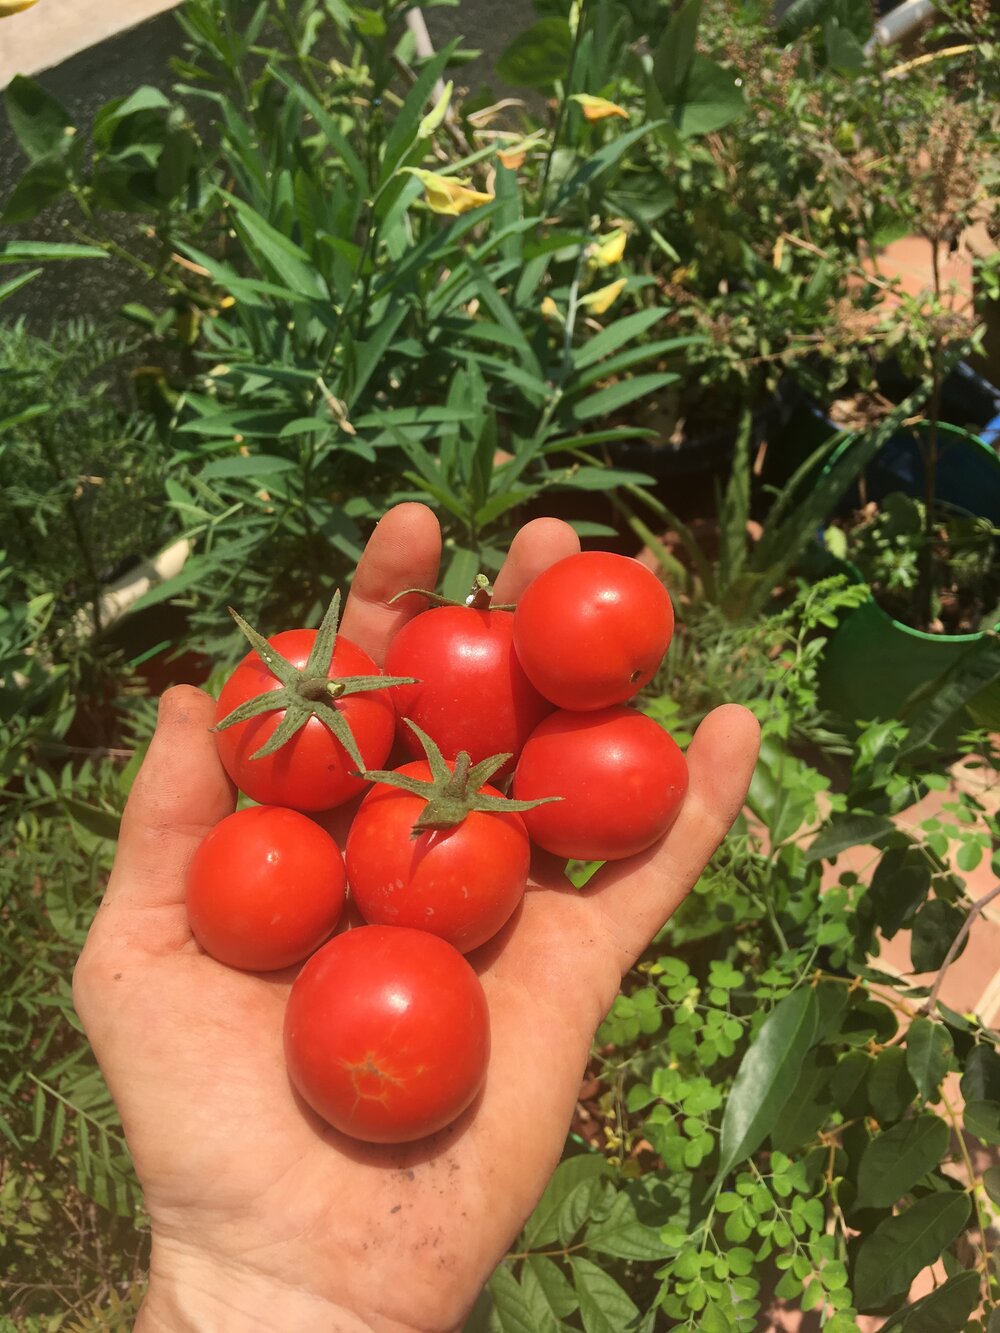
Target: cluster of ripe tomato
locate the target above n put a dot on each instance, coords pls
(387, 1027)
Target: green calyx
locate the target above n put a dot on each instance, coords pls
(479, 599)
(305, 691)
(452, 794)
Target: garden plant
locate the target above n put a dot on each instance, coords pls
(355, 283)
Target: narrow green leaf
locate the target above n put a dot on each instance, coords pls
(18, 252)
(900, 1247)
(102, 823)
(616, 396)
(766, 1076)
(256, 465)
(896, 1160)
(615, 336)
(929, 1053)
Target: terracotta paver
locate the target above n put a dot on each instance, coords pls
(54, 30)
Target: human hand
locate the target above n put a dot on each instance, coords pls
(264, 1217)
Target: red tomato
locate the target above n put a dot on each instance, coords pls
(472, 693)
(461, 883)
(592, 629)
(387, 1033)
(265, 888)
(622, 776)
(312, 770)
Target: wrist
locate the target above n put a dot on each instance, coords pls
(194, 1294)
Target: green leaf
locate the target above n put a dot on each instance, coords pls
(597, 163)
(947, 1308)
(8, 289)
(890, 1087)
(708, 99)
(929, 1052)
(42, 184)
(983, 1120)
(616, 396)
(604, 1306)
(39, 122)
(934, 928)
(621, 1234)
(975, 671)
(675, 52)
(896, 1160)
(809, 1105)
(555, 1284)
(981, 1079)
(849, 831)
(102, 823)
(573, 1174)
(257, 465)
(766, 1076)
(615, 336)
(511, 1308)
(239, 421)
(17, 252)
(287, 261)
(901, 882)
(538, 57)
(900, 1247)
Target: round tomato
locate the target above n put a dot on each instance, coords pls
(471, 692)
(265, 888)
(592, 629)
(387, 1033)
(621, 775)
(311, 770)
(461, 883)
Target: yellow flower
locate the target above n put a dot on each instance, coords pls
(514, 154)
(434, 117)
(549, 308)
(609, 250)
(447, 195)
(604, 297)
(8, 7)
(598, 108)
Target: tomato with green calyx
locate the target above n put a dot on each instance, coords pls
(591, 630)
(434, 847)
(302, 714)
(622, 778)
(471, 692)
(265, 888)
(387, 1034)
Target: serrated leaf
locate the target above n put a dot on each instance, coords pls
(555, 1284)
(621, 1234)
(604, 1306)
(900, 1247)
(766, 1076)
(511, 1310)
(896, 1160)
(929, 1050)
(573, 1173)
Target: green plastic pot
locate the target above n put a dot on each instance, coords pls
(873, 663)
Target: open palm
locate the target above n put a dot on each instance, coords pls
(263, 1216)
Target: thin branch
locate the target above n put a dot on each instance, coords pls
(956, 944)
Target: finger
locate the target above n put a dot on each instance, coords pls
(179, 795)
(537, 545)
(632, 899)
(404, 551)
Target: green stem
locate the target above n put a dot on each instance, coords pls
(561, 111)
